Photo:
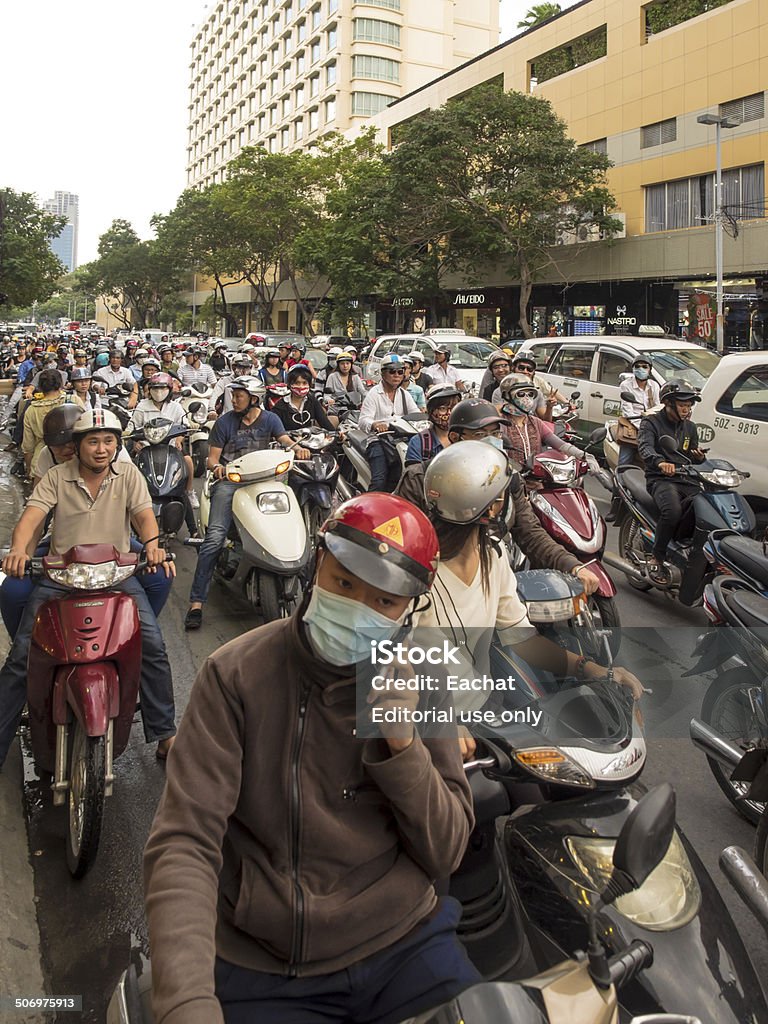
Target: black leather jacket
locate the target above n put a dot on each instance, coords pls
(652, 429)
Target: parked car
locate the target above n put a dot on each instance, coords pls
(594, 366)
(469, 355)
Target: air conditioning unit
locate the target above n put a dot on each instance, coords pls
(622, 231)
(587, 233)
(565, 236)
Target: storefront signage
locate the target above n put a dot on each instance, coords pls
(469, 300)
(405, 300)
(701, 316)
(621, 319)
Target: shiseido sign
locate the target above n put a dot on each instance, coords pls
(469, 300)
(403, 300)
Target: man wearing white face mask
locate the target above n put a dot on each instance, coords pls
(306, 891)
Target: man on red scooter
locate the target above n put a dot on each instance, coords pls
(95, 498)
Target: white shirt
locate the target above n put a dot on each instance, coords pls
(203, 374)
(444, 374)
(377, 407)
(467, 615)
(646, 398)
(112, 377)
(222, 389)
(147, 410)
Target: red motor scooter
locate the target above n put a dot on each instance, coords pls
(570, 517)
(83, 680)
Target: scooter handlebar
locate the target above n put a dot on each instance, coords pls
(625, 966)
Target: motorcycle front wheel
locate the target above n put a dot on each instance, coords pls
(272, 605)
(630, 541)
(85, 806)
(729, 708)
(314, 517)
(606, 616)
(200, 457)
(761, 842)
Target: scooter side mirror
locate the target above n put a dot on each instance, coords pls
(575, 395)
(598, 435)
(642, 842)
(668, 444)
(627, 396)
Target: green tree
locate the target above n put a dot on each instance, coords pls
(28, 268)
(201, 234)
(134, 277)
(498, 179)
(539, 13)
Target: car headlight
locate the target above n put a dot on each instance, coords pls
(273, 503)
(155, 434)
(81, 576)
(669, 897)
(552, 765)
(724, 477)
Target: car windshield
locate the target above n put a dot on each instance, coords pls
(468, 353)
(694, 365)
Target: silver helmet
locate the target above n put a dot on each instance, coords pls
(462, 481)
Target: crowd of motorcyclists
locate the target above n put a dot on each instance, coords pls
(265, 897)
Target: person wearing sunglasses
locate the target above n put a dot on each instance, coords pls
(383, 402)
(548, 396)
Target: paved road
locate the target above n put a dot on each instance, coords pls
(90, 928)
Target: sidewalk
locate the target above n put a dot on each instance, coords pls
(20, 968)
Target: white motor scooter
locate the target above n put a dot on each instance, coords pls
(194, 399)
(267, 551)
(355, 476)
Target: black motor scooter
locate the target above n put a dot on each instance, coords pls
(162, 466)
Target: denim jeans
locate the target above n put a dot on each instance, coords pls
(156, 687)
(385, 468)
(426, 968)
(15, 591)
(628, 455)
(219, 522)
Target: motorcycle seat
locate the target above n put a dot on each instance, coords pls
(748, 555)
(750, 608)
(634, 480)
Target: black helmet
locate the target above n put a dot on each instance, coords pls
(474, 414)
(57, 425)
(298, 346)
(678, 390)
(524, 357)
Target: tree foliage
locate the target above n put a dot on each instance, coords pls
(538, 14)
(28, 268)
(134, 277)
(497, 177)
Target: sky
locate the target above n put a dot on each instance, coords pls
(93, 100)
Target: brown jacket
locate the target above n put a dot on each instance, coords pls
(282, 843)
(526, 530)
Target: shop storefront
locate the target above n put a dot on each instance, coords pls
(745, 310)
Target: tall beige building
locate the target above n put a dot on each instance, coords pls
(283, 73)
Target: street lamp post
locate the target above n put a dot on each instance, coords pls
(719, 123)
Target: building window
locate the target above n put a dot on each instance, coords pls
(330, 39)
(658, 133)
(665, 13)
(301, 64)
(330, 74)
(596, 146)
(314, 120)
(298, 132)
(314, 52)
(273, 143)
(286, 109)
(373, 30)
(690, 202)
(369, 103)
(330, 110)
(748, 108)
(574, 54)
(391, 5)
(301, 30)
(316, 19)
(284, 138)
(376, 67)
(262, 123)
(333, 5)
(314, 85)
(286, 74)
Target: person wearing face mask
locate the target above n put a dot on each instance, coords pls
(546, 396)
(440, 398)
(646, 395)
(476, 420)
(301, 407)
(672, 494)
(467, 491)
(307, 891)
(526, 434)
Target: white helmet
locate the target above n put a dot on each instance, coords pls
(97, 419)
(248, 348)
(461, 482)
(253, 385)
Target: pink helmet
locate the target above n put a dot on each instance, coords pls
(161, 380)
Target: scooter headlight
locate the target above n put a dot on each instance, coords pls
(561, 472)
(156, 434)
(198, 412)
(560, 610)
(552, 765)
(273, 503)
(724, 477)
(81, 576)
(669, 897)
